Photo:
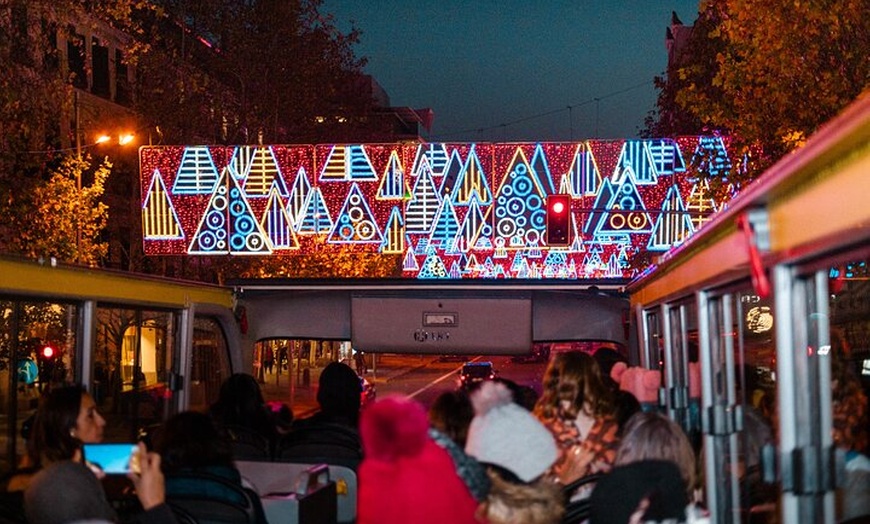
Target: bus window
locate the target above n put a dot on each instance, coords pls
(131, 361)
(37, 349)
(210, 363)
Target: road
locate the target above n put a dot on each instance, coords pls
(434, 376)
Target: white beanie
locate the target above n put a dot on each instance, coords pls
(507, 435)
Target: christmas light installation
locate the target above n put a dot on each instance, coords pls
(447, 210)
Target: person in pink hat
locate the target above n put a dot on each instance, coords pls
(405, 476)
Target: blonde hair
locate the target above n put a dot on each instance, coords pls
(539, 502)
(653, 436)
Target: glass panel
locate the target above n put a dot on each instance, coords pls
(755, 391)
(131, 368)
(849, 352)
(210, 363)
(37, 350)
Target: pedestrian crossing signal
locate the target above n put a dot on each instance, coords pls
(558, 220)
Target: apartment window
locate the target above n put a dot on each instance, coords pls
(75, 52)
(100, 55)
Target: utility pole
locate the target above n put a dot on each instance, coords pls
(78, 175)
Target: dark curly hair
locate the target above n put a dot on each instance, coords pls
(574, 377)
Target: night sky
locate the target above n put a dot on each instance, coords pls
(507, 70)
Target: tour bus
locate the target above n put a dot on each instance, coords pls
(759, 324)
(465, 230)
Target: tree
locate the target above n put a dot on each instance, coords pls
(65, 222)
(780, 69)
(292, 74)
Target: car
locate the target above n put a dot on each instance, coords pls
(474, 372)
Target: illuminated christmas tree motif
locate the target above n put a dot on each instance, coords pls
(241, 161)
(455, 270)
(394, 232)
(605, 195)
(433, 267)
(554, 261)
(635, 158)
(298, 196)
(277, 224)
(471, 183)
(263, 174)
(711, 158)
(577, 242)
(393, 182)
(315, 219)
(435, 156)
(159, 220)
(673, 224)
(409, 263)
(197, 174)
(425, 201)
(700, 204)
(228, 224)
(355, 222)
(625, 213)
(346, 163)
(666, 156)
(613, 268)
(452, 170)
(541, 170)
(471, 265)
(592, 263)
(446, 227)
(518, 215)
(583, 176)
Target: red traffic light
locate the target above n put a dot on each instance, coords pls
(558, 220)
(47, 352)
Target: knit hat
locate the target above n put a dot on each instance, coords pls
(404, 476)
(66, 492)
(508, 436)
(617, 495)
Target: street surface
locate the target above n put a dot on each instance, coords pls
(422, 377)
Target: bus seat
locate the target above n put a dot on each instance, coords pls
(248, 444)
(278, 477)
(242, 507)
(324, 442)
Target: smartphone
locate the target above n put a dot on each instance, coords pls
(113, 459)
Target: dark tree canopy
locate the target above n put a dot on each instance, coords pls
(766, 72)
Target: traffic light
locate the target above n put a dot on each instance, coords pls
(558, 220)
(47, 352)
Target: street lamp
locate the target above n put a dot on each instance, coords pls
(123, 138)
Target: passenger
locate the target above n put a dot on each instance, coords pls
(578, 409)
(755, 495)
(68, 491)
(625, 402)
(850, 434)
(643, 491)
(518, 452)
(405, 477)
(240, 404)
(66, 418)
(653, 436)
(332, 434)
(190, 447)
(449, 417)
